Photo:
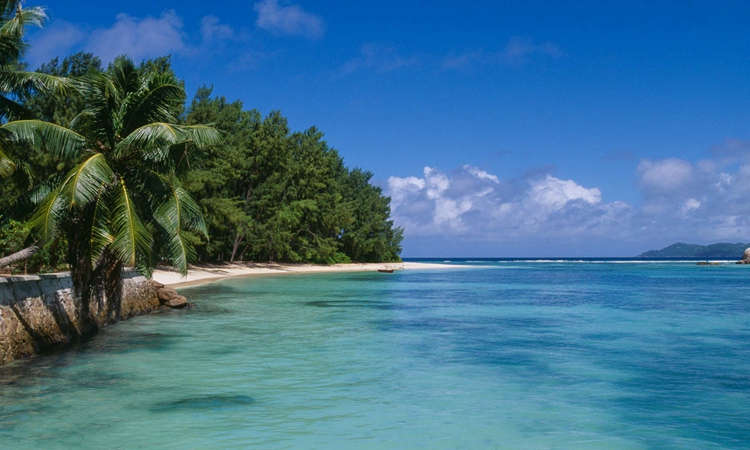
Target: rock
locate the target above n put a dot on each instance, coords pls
(156, 284)
(745, 257)
(707, 263)
(166, 294)
(177, 302)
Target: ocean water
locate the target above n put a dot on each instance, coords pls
(508, 354)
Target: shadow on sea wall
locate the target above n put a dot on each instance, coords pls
(41, 311)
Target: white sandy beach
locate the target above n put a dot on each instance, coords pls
(209, 273)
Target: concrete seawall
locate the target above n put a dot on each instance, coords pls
(38, 311)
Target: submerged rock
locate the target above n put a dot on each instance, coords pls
(210, 402)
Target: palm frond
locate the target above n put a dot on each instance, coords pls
(49, 213)
(131, 237)
(88, 180)
(155, 101)
(60, 140)
(99, 233)
(160, 136)
(12, 110)
(202, 135)
(7, 166)
(14, 81)
(22, 17)
(11, 48)
(180, 213)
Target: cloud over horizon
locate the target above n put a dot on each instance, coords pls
(472, 202)
(702, 202)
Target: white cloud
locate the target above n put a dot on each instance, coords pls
(702, 202)
(666, 175)
(519, 48)
(139, 38)
(212, 30)
(690, 205)
(289, 20)
(381, 58)
(705, 201)
(516, 51)
(555, 193)
(57, 40)
(473, 202)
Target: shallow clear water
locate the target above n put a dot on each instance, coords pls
(512, 355)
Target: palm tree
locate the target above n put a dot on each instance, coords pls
(13, 81)
(122, 204)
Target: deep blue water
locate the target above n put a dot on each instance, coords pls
(506, 354)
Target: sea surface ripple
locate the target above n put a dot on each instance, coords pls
(510, 354)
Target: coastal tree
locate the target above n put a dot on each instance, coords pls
(14, 81)
(371, 235)
(270, 194)
(122, 204)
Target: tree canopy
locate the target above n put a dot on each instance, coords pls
(124, 136)
(272, 194)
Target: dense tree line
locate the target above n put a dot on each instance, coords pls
(264, 191)
(272, 194)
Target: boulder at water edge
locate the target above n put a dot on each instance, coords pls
(170, 298)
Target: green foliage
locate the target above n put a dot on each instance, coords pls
(54, 107)
(269, 194)
(111, 169)
(121, 203)
(12, 236)
(16, 85)
(371, 236)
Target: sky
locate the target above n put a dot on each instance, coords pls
(498, 128)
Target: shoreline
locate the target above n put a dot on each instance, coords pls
(209, 273)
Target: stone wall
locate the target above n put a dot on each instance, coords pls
(38, 311)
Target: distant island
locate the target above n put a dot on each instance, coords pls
(682, 250)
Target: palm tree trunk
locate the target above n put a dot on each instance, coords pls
(17, 257)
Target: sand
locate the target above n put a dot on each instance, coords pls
(209, 273)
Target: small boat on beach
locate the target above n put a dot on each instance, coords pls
(386, 270)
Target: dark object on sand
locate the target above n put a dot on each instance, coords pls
(385, 270)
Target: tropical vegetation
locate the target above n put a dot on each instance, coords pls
(109, 167)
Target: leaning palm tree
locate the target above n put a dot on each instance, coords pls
(122, 204)
(14, 82)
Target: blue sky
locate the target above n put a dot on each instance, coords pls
(499, 128)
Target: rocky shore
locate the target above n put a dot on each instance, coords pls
(41, 311)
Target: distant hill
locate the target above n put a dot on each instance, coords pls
(682, 250)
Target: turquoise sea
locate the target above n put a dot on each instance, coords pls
(506, 354)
